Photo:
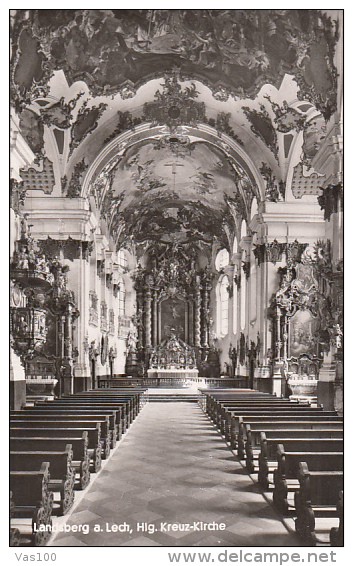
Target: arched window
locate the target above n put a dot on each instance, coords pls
(223, 302)
(222, 259)
(122, 259)
(121, 298)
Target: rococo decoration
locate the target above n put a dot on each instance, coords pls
(113, 51)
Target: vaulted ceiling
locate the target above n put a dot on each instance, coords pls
(171, 121)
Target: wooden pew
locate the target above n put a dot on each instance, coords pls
(138, 399)
(33, 501)
(129, 404)
(268, 450)
(300, 414)
(254, 439)
(223, 411)
(81, 459)
(140, 392)
(208, 396)
(62, 474)
(75, 414)
(286, 474)
(218, 409)
(336, 534)
(306, 421)
(88, 406)
(249, 433)
(15, 535)
(53, 423)
(131, 399)
(94, 447)
(317, 497)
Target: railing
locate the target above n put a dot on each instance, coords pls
(202, 382)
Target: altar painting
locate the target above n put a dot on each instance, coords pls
(173, 315)
(302, 328)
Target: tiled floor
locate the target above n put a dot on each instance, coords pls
(173, 467)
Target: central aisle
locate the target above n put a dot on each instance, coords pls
(172, 466)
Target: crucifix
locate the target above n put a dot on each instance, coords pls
(174, 165)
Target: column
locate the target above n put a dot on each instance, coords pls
(198, 313)
(61, 335)
(191, 320)
(68, 333)
(205, 318)
(139, 301)
(148, 318)
(81, 366)
(155, 318)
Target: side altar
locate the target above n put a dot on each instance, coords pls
(173, 358)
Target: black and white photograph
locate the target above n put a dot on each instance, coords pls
(176, 283)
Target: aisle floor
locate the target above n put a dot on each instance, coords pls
(173, 467)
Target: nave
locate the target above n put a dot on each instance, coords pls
(176, 220)
(172, 466)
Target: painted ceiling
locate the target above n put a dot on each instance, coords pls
(93, 76)
(234, 51)
(174, 190)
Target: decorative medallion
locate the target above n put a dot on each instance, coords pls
(175, 106)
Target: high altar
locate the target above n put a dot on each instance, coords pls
(173, 314)
(173, 358)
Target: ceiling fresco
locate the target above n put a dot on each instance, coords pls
(235, 52)
(173, 190)
(172, 121)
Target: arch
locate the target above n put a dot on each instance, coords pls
(110, 155)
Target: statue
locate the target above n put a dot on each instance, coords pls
(23, 258)
(22, 326)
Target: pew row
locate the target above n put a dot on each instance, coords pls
(62, 474)
(252, 437)
(319, 495)
(54, 423)
(94, 447)
(79, 415)
(273, 416)
(32, 503)
(285, 476)
(80, 461)
(268, 451)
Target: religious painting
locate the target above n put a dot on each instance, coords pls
(302, 327)
(173, 315)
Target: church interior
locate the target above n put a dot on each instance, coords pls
(176, 268)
